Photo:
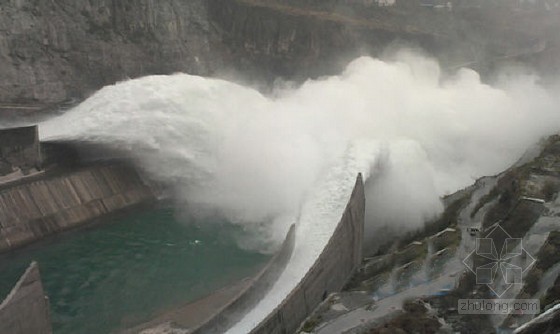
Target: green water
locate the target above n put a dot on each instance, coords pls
(123, 273)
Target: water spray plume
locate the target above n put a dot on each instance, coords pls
(267, 162)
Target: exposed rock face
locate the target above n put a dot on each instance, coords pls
(272, 38)
(308, 38)
(19, 149)
(51, 51)
(62, 50)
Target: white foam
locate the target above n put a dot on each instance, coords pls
(319, 217)
(262, 161)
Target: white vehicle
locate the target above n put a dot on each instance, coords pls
(533, 199)
(473, 230)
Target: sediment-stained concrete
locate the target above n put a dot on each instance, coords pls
(33, 210)
(26, 310)
(338, 261)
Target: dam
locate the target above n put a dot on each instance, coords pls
(255, 117)
(129, 268)
(259, 161)
(98, 238)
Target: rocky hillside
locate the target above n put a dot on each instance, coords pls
(55, 53)
(308, 38)
(417, 282)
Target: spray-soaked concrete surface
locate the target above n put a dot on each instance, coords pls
(338, 261)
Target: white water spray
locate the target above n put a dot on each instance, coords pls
(262, 162)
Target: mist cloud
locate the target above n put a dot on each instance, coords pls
(253, 158)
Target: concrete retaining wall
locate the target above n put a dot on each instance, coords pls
(234, 311)
(25, 310)
(35, 209)
(338, 261)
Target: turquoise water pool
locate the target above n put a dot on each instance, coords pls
(130, 269)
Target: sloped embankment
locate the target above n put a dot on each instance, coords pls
(33, 210)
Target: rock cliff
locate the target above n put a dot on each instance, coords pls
(57, 52)
(301, 39)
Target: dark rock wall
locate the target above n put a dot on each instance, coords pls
(302, 39)
(278, 38)
(57, 52)
(19, 148)
(33, 210)
(52, 51)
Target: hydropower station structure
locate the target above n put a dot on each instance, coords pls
(40, 204)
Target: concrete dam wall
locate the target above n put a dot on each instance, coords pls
(338, 261)
(26, 309)
(234, 310)
(35, 209)
(69, 200)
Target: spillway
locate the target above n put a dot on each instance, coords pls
(266, 162)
